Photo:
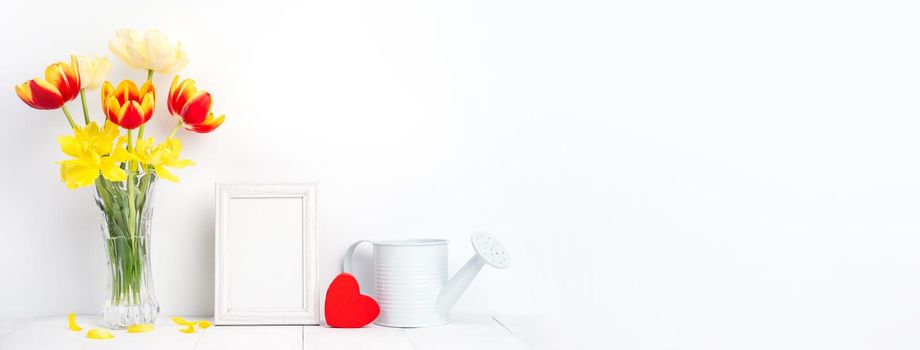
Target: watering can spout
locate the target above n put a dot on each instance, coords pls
(488, 251)
(457, 284)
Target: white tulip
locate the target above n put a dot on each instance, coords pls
(93, 71)
(150, 51)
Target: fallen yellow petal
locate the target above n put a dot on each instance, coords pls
(190, 329)
(72, 323)
(180, 321)
(99, 334)
(204, 324)
(140, 328)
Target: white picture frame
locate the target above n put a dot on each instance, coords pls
(266, 255)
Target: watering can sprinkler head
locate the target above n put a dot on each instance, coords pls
(488, 251)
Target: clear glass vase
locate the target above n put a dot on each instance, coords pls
(125, 212)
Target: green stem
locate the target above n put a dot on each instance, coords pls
(173, 133)
(149, 74)
(69, 118)
(85, 112)
(140, 133)
(132, 214)
(132, 221)
(127, 253)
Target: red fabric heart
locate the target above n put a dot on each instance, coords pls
(346, 307)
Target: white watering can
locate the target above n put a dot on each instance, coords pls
(410, 277)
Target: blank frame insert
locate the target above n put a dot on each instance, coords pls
(266, 255)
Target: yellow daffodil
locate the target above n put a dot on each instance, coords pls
(90, 138)
(140, 328)
(93, 153)
(99, 334)
(204, 324)
(161, 156)
(93, 71)
(72, 323)
(148, 51)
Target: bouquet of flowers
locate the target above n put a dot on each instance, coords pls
(116, 159)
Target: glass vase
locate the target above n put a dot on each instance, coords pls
(125, 212)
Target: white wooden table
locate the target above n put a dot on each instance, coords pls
(464, 332)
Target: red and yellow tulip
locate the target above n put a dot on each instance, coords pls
(100, 153)
(192, 106)
(127, 106)
(61, 85)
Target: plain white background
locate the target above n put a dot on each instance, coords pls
(666, 174)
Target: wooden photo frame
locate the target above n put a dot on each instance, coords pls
(266, 255)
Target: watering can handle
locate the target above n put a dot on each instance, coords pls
(349, 254)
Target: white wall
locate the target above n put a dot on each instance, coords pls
(705, 175)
